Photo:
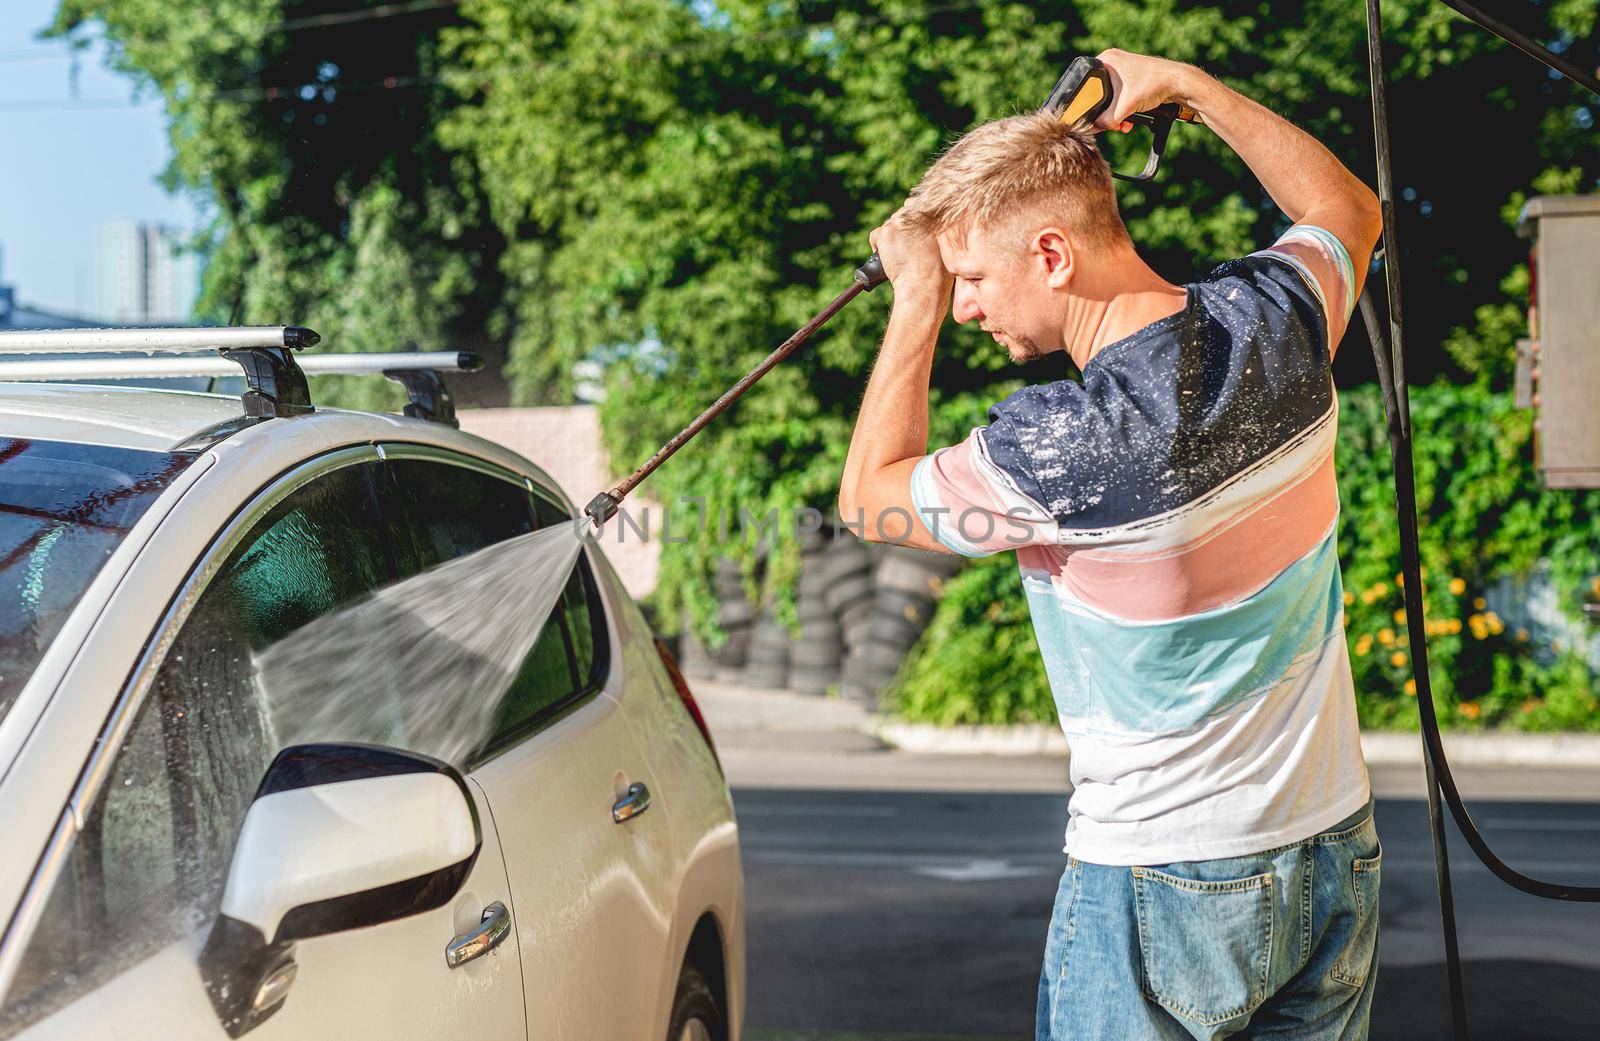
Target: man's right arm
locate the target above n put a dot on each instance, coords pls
(1303, 177)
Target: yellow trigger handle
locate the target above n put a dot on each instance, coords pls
(1084, 91)
(1092, 97)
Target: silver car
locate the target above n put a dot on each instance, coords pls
(170, 871)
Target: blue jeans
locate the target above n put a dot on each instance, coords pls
(1279, 944)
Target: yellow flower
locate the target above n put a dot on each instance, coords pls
(1362, 649)
(1411, 687)
(1479, 603)
(1397, 659)
(1386, 636)
(1522, 636)
(1496, 626)
(1400, 579)
(1470, 710)
(1349, 598)
(1455, 625)
(1400, 616)
(1381, 589)
(1457, 586)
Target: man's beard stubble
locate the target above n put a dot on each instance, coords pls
(1023, 348)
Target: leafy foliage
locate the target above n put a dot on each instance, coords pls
(310, 141)
(1485, 515)
(978, 661)
(685, 183)
(669, 187)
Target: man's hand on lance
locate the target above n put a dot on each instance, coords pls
(910, 256)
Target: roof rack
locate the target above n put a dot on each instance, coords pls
(276, 382)
(177, 340)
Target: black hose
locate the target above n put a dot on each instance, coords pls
(1397, 411)
(1405, 491)
(1524, 43)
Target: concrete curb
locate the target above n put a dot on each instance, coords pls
(759, 720)
(1014, 739)
(1380, 748)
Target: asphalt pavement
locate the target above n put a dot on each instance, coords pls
(893, 896)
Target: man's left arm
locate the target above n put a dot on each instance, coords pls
(891, 434)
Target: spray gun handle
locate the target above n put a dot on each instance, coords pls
(1084, 91)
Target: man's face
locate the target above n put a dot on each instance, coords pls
(1000, 286)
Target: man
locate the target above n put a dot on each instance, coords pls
(1174, 518)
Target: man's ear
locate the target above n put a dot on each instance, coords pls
(1052, 250)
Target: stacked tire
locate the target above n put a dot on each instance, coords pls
(768, 664)
(861, 608)
(815, 657)
(736, 616)
(906, 586)
(691, 655)
(850, 594)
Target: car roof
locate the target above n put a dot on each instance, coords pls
(160, 420)
(123, 417)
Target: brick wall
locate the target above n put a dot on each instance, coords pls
(564, 440)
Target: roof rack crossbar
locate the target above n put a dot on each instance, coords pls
(201, 365)
(147, 341)
(276, 380)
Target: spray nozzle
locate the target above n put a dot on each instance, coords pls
(601, 509)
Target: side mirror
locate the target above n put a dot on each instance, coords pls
(339, 836)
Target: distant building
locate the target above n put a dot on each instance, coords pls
(20, 316)
(145, 276)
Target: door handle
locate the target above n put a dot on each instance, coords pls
(631, 805)
(491, 933)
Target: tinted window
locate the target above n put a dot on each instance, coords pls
(150, 864)
(63, 509)
(585, 613)
(453, 511)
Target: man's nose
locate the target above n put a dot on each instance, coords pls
(964, 304)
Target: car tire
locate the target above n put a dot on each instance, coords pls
(695, 1016)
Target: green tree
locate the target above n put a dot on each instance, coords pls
(687, 182)
(669, 187)
(308, 134)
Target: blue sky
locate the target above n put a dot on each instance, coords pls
(72, 155)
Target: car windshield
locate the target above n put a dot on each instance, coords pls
(64, 508)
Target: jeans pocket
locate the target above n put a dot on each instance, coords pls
(1206, 946)
(1356, 959)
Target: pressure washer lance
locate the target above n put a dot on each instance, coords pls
(1082, 93)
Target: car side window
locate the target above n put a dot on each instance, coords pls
(453, 510)
(585, 611)
(149, 866)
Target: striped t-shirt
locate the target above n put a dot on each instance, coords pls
(1175, 521)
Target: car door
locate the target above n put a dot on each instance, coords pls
(581, 820)
(114, 954)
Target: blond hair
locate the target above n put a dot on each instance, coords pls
(1030, 168)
